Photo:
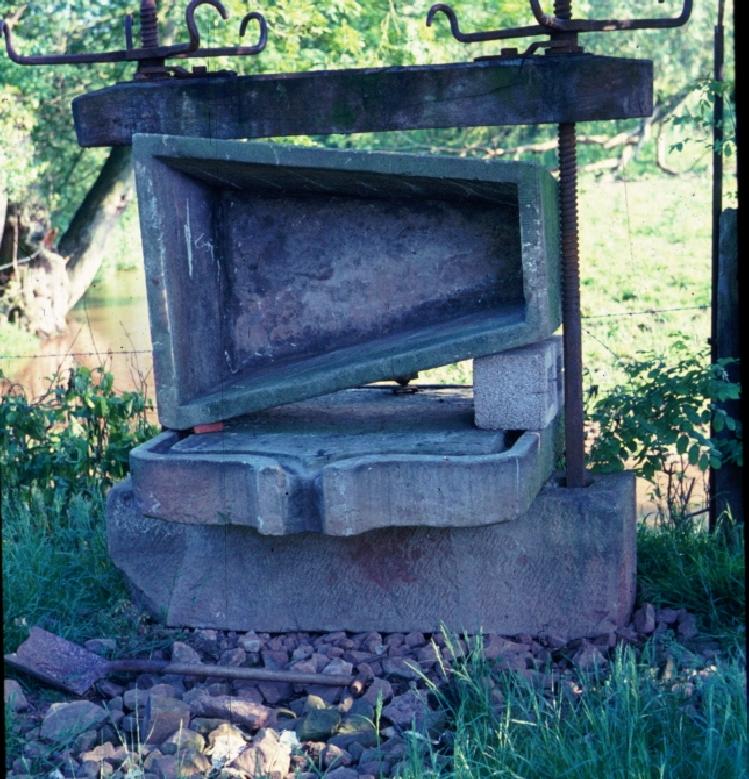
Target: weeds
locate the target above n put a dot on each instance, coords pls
(74, 441)
(702, 572)
(658, 423)
(56, 571)
(57, 458)
(631, 722)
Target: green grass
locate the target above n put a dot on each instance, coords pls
(645, 245)
(57, 573)
(704, 573)
(57, 459)
(632, 723)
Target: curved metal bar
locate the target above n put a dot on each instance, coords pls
(192, 28)
(127, 54)
(260, 19)
(216, 51)
(552, 23)
(477, 37)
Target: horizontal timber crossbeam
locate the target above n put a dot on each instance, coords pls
(541, 89)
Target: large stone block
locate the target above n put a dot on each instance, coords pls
(567, 565)
(346, 463)
(520, 389)
(276, 274)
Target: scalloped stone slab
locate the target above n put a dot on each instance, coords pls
(345, 464)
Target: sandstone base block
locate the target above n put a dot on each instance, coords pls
(566, 566)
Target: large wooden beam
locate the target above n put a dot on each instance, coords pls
(541, 89)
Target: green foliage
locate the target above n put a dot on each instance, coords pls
(658, 422)
(57, 573)
(14, 343)
(683, 567)
(699, 116)
(58, 456)
(17, 119)
(74, 441)
(632, 722)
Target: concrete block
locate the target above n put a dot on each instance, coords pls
(317, 270)
(565, 566)
(519, 389)
(344, 464)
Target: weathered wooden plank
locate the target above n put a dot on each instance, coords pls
(509, 91)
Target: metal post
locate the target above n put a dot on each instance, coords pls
(149, 24)
(718, 58)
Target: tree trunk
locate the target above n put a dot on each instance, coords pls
(38, 285)
(85, 242)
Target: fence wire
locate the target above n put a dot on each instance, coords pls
(590, 318)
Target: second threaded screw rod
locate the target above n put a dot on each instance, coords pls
(565, 42)
(573, 361)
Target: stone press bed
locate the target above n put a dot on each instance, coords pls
(368, 510)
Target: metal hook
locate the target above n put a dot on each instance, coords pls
(550, 24)
(476, 37)
(192, 28)
(216, 51)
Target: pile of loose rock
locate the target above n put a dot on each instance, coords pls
(177, 726)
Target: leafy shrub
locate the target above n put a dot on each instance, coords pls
(75, 440)
(659, 422)
(700, 116)
(58, 457)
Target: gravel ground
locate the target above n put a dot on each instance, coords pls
(163, 727)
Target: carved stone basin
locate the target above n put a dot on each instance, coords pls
(276, 274)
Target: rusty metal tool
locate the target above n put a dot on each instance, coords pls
(563, 32)
(67, 666)
(151, 56)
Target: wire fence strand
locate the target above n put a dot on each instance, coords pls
(589, 318)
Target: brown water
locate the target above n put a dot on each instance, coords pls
(108, 327)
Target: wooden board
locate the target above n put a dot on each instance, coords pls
(541, 89)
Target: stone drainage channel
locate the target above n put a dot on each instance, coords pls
(170, 726)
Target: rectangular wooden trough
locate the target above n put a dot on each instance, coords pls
(279, 273)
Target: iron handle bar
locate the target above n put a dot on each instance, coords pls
(219, 51)
(478, 37)
(145, 53)
(549, 24)
(227, 672)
